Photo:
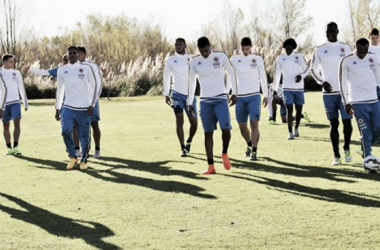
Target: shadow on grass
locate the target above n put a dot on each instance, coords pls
(112, 174)
(316, 125)
(91, 232)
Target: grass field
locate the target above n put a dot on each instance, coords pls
(142, 195)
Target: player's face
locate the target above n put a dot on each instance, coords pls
(9, 64)
(180, 47)
(247, 50)
(206, 51)
(81, 56)
(73, 55)
(332, 33)
(374, 40)
(361, 51)
(289, 49)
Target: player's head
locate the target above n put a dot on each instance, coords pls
(332, 32)
(246, 46)
(374, 37)
(204, 46)
(73, 51)
(8, 61)
(65, 59)
(362, 46)
(180, 46)
(81, 53)
(289, 45)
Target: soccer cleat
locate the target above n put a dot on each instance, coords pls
(183, 152)
(253, 156)
(296, 132)
(9, 151)
(305, 116)
(209, 170)
(78, 153)
(96, 155)
(17, 151)
(188, 146)
(226, 161)
(336, 161)
(347, 155)
(371, 163)
(83, 165)
(248, 152)
(291, 136)
(71, 164)
(271, 122)
(360, 152)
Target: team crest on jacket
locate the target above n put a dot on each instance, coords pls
(254, 60)
(80, 70)
(297, 58)
(371, 60)
(342, 50)
(216, 59)
(14, 74)
(216, 63)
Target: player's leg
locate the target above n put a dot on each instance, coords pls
(332, 113)
(193, 120)
(95, 118)
(67, 126)
(16, 135)
(76, 142)
(222, 114)
(299, 102)
(241, 113)
(254, 108)
(209, 145)
(178, 107)
(7, 137)
(209, 125)
(347, 129)
(274, 109)
(289, 101)
(84, 129)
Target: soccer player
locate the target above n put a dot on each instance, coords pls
(273, 102)
(50, 72)
(294, 69)
(177, 69)
(324, 70)
(250, 73)
(15, 89)
(210, 67)
(375, 48)
(359, 76)
(3, 94)
(95, 118)
(76, 82)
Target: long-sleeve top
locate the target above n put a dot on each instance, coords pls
(14, 85)
(250, 73)
(98, 75)
(290, 66)
(177, 69)
(3, 93)
(76, 82)
(359, 78)
(41, 72)
(325, 64)
(375, 50)
(210, 72)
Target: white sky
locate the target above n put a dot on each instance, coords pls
(177, 18)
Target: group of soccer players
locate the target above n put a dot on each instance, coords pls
(350, 81)
(79, 88)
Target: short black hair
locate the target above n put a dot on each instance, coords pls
(180, 39)
(7, 56)
(374, 32)
(81, 48)
(362, 42)
(203, 42)
(72, 47)
(64, 56)
(331, 24)
(291, 42)
(246, 41)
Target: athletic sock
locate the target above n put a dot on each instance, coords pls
(290, 129)
(210, 161)
(224, 151)
(254, 149)
(77, 148)
(249, 144)
(97, 148)
(15, 144)
(9, 145)
(183, 147)
(189, 140)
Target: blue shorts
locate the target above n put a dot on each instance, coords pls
(213, 111)
(179, 104)
(294, 97)
(96, 114)
(248, 106)
(12, 111)
(333, 104)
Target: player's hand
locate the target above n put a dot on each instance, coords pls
(1, 113)
(265, 101)
(348, 108)
(25, 69)
(191, 110)
(26, 109)
(327, 87)
(57, 115)
(168, 100)
(298, 78)
(90, 111)
(232, 100)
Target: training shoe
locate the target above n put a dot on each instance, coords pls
(305, 116)
(83, 165)
(96, 155)
(336, 161)
(360, 152)
(347, 155)
(209, 170)
(71, 164)
(291, 136)
(78, 153)
(9, 151)
(183, 152)
(371, 163)
(296, 132)
(17, 151)
(248, 152)
(253, 156)
(271, 122)
(226, 161)
(188, 146)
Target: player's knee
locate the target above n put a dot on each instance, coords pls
(334, 123)
(347, 123)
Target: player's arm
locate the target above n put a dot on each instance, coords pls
(232, 75)
(100, 86)
(21, 88)
(305, 70)
(39, 72)
(192, 84)
(343, 75)
(277, 77)
(315, 72)
(59, 95)
(377, 71)
(93, 89)
(167, 76)
(3, 94)
(98, 78)
(263, 81)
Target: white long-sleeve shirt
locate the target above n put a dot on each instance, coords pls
(15, 86)
(210, 73)
(3, 93)
(325, 64)
(177, 69)
(359, 78)
(40, 72)
(250, 73)
(76, 82)
(375, 50)
(290, 67)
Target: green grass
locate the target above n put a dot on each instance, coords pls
(142, 195)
